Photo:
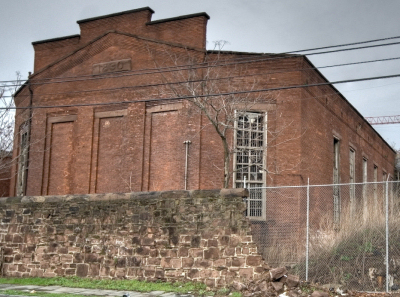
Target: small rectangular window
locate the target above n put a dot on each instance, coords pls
(375, 185)
(365, 170)
(336, 190)
(352, 163)
(365, 187)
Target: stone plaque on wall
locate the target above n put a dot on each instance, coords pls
(114, 66)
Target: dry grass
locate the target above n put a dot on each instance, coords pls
(350, 253)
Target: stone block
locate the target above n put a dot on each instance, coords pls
(212, 243)
(183, 252)
(238, 262)
(277, 273)
(176, 263)
(230, 252)
(159, 274)
(90, 258)
(187, 262)
(253, 260)
(196, 253)
(17, 239)
(234, 241)
(292, 281)
(211, 283)
(193, 273)
(211, 253)
(278, 287)
(63, 250)
(234, 193)
(66, 258)
(149, 272)
(195, 241)
(82, 270)
(224, 240)
(36, 273)
(219, 263)
(202, 263)
(246, 273)
(133, 261)
(70, 271)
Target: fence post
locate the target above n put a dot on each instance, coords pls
(307, 226)
(387, 234)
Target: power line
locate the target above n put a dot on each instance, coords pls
(231, 61)
(208, 79)
(204, 95)
(348, 44)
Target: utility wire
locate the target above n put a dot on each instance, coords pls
(204, 95)
(348, 44)
(207, 79)
(231, 61)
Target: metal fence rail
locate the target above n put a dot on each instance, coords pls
(343, 234)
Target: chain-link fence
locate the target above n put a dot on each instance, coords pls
(342, 234)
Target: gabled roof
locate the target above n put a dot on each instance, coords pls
(94, 41)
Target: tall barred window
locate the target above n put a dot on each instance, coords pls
(250, 159)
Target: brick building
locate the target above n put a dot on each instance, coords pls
(103, 113)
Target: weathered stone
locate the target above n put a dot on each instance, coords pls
(181, 241)
(292, 281)
(277, 273)
(246, 273)
(187, 262)
(231, 193)
(238, 286)
(211, 253)
(183, 252)
(278, 287)
(82, 270)
(253, 260)
(193, 273)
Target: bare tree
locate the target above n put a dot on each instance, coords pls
(225, 94)
(7, 114)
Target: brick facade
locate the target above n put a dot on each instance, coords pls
(139, 145)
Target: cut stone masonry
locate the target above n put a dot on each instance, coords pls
(199, 235)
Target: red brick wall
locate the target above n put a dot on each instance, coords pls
(141, 148)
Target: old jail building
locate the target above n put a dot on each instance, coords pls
(109, 110)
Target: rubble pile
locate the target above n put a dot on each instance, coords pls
(273, 282)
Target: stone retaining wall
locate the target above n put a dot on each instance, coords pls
(175, 235)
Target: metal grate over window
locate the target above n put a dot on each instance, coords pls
(249, 160)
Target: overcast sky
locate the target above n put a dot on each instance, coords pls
(269, 26)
